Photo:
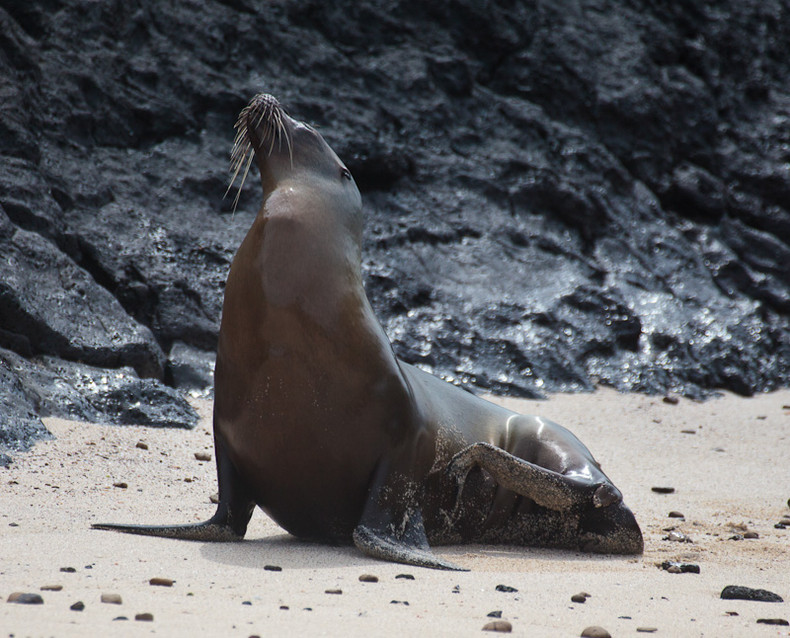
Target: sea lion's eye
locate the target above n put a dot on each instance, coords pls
(345, 174)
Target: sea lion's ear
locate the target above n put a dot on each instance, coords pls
(395, 532)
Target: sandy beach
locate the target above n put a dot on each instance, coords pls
(726, 458)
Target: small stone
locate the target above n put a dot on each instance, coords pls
(112, 599)
(738, 592)
(145, 616)
(773, 621)
(142, 445)
(51, 587)
(120, 484)
(368, 578)
(671, 399)
(286, 607)
(13, 524)
(751, 535)
(272, 568)
(248, 603)
(646, 630)
(736, 537)
(214, 498)
(24, 598)
(495, 614)
(457, 589)
(399, 602)
(780, 526)
(202, 456)
(161, 582)
(678, 537)
(675, 514)
(502, 626)
(68, 570)
(405, 576)
(506, 589)
(78, 606)
(120, 618)
(731, 613)
(674, 567)
(663, 490)
(333, 591)
(579, 598)
(686, 432)
(594, 631)
(785, 521)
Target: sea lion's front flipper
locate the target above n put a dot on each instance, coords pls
(391, 527)
(547, 488)
(229, 523)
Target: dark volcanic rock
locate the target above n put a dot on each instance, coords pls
(559, 194)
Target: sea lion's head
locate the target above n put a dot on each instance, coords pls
(285, 148)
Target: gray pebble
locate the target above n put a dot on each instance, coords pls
(24, 598)
(161, 582)
(495, 614)
(333, 591)
(579, 598)
(405, 576)
(145, 616)
(594, 631)
(202, 456)
(502, 626)
(112, 599)
(662, 490)
(272, 568)
(506, 589)
(51, 587)
(78, 606)
(368, 578)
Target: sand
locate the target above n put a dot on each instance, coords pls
(728, 460)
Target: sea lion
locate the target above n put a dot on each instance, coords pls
(319, 424)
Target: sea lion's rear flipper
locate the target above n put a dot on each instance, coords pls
(229, 523)
(391, 527)
(547, 488)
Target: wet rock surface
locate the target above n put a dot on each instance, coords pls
(558, 194)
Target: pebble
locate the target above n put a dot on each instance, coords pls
(368, 578)
(773, 621)
(51, 587)
(247, 602)
(24, 598)
(142, 445)
(145, 616)
(675, 514)
(333, 591)
(579, 598)
(737, 592)
(785, 521)
(214, 498)
(674, 567)
(120, 484)
(112, 599)
(751, 535)
(68, 570)
(399, 602)
(646, 630)
(78, 606)
(272, 568)
(672, 399)
(202, 456)
(678, 537)
(120, 618)
(286, 607)
(688, 431)
(663, 490)
(594, 631)
(457, 589)
(495, 614)
(780, 526)
(506, 589)
(161, 582)
(405, 576)
(502, 626)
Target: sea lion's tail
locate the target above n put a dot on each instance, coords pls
(208, 531)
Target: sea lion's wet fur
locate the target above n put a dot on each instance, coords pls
(318, 423)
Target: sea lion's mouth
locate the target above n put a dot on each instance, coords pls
(259, 127)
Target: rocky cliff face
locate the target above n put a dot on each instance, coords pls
(558, 193)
